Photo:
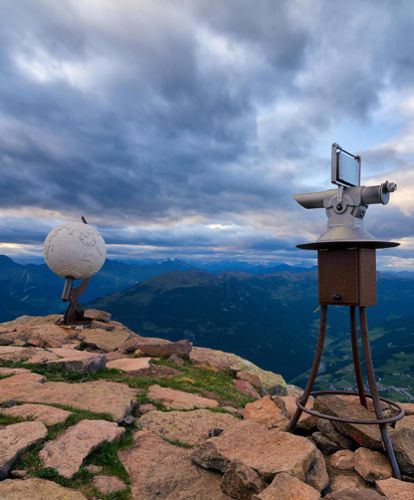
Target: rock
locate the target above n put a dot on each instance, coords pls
(97, 315)
(286, 487)
(306, 422)
(99, 396)
(36, 489)
(46, 414)
(237, 412)
(367, 436)
(12, 371)
(327, 429)
(352, 494)
(254, 380)
(25, 354)
(346, 481)
(67, 452)
(146, 407)
(191, 427)
(268, 452)
(176, 359)
(38, 332)
(180, 348)
(317, 475)
(408, 408)
(325, 444)
(179, 400)
(268, 412)
(18, 474)
(246, 388)
(94, 469)
(15, 439)
(80, 361)
(342, 460)
(294, 391)
(403, 441)
(239, 481)
(107, 341)
(394, 489)
(271, 383)
(129, 365)
(108, 484)
(372, 465)
(161, 470)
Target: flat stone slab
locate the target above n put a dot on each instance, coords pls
(158, 349)
(99, 396)
(49, 415)
(80, 361)
(191, 427)
(36, 489)
(179, 400)
(108, 484)
(36, 331)
(286, 487)
(161, 470)
(67, 453)
(14, 440)
(267, 451)
(97, 315)
(26, 354)
(129, 365)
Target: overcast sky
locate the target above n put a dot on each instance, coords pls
(182, 128)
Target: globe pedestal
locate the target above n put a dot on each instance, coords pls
(74, 313)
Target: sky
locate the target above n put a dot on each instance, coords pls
(181, 128)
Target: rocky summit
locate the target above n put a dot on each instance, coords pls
(96, 411)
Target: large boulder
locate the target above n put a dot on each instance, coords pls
(271, 383)
(161, 470)
(36, 489)
(67, 452)
(191, 427)
(97, 338)
(80, 361)
(179, 400)
(267, 451)
(15, 439)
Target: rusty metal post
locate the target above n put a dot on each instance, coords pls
(314, 370)
(355, 356)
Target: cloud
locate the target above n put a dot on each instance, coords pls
(187, 129)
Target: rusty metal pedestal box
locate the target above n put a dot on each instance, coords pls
(347, 276)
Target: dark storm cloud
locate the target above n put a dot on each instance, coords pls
(141, 113)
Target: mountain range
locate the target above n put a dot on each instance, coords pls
(267, 314)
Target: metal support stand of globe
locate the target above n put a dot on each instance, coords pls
(347, 277)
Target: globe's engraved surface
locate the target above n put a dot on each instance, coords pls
(75, 250)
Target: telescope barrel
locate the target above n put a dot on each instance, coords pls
(377, 194)
(314, 200)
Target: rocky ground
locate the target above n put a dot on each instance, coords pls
(96, 411)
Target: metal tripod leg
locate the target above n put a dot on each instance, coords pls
(314, 371)
(355, 356)
(374, 393)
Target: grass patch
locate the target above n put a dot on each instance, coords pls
(106, 456)
(194, 379)
(9, 419)
(176, 442)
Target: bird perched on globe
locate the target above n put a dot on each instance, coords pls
(74, 251)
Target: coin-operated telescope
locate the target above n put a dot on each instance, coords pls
(347, 277)
(346, 206)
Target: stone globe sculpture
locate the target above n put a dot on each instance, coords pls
(74, 250)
